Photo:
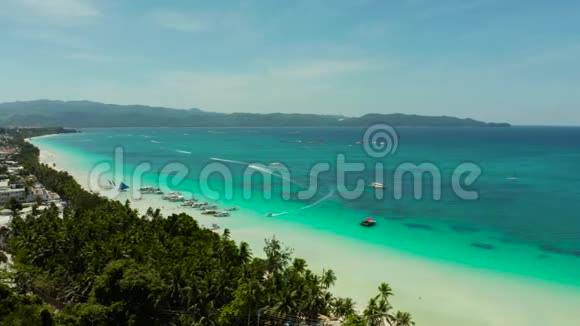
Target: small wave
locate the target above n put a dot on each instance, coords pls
(155, 141)
(183, 152)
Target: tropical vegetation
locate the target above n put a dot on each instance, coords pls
(99, 262)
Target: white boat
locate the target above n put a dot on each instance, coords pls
(377, 185)
(222, 214)
(172, 195)
(189, 202)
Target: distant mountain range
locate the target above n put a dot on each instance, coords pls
(85, 114)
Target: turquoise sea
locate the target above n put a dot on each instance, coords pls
(526, 221)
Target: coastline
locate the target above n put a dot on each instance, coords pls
(435, 293)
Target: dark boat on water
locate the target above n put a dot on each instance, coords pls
(369, 221)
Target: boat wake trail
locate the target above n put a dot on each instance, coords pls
(277, 214)
(183, 152)
(155, 141)
(228, 161)
(330, 194)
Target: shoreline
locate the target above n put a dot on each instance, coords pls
(435, 293)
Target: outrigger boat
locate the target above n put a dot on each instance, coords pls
(150, 190)
(189, 202)
(173, 195)
(209, 212)
(369, 221)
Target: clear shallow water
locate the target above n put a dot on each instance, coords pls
(526, 222)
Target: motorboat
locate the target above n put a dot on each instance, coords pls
(377, 185)
(369, 221)
(231, 209)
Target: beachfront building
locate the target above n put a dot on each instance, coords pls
(7, 193)
(39, 193)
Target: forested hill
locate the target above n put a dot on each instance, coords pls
(84, 114)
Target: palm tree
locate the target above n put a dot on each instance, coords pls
(343, 307)
(372, 313)
(328, 278)
(385, 291)
(245, 253)
(384, 308)
(403, 319)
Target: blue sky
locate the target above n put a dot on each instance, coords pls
(495, 60)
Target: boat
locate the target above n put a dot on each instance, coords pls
(232, 208)
(172, 194)
(149, 190)
(221, 214)
(269, 214)
(209, 212)
(189, 202)
(214, 227)
(123, 187)
(369, 221)
(176, 198)
(377, 185)
(211, 207)
(108, 186)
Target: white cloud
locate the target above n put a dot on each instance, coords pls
(53, 37)
(179, 21)
(304, 87)
(92, 57)
(58, 12)
(61, 8)
(320, 69)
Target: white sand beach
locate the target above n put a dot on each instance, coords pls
(436, 293)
